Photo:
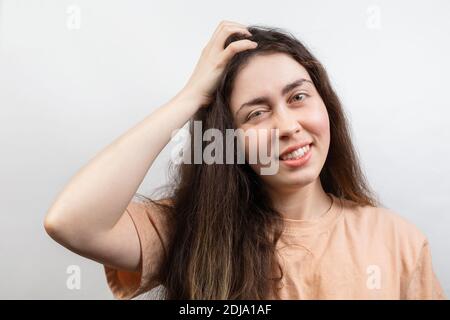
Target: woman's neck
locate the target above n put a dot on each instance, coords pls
(303, 203)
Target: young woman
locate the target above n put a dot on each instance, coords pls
(312, 230)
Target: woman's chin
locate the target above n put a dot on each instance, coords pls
(294, 179)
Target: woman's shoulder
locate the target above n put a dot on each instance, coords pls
(384, 224)
(149, 206)
(155, 211)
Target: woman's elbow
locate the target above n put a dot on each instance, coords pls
(52, 226)
(58, 229)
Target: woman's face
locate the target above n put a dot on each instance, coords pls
(298, 112)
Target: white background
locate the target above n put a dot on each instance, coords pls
(68, 90)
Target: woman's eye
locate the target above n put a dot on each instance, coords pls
(255, 114)
(302, 95)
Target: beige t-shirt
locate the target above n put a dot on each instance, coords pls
(352, 252)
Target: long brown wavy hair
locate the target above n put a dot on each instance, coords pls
(224, 228)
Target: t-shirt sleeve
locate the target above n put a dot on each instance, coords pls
(150, 226)
(424, 285)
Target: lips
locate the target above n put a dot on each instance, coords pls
(298, 162)
(293, 148)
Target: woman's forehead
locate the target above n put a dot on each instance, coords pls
(266, 75)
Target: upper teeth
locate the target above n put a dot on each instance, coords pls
(300, 152)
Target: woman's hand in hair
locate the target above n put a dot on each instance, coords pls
(214, 58)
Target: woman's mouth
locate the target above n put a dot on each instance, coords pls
(297, 157)
(296, 154)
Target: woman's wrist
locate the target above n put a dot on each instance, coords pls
(192, 97)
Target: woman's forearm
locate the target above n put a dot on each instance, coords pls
(97, 195)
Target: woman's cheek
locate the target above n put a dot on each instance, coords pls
(318, 122)
(257, 143)
(249, 141)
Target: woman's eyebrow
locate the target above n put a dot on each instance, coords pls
(265, 100)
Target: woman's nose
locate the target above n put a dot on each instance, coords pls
(287, 124)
